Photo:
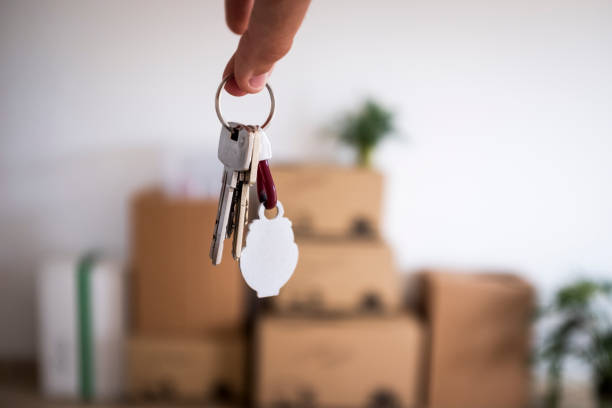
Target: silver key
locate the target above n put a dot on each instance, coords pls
(235, 152)
(229, 181)
(238, 150)
(241, 211)
(214, 246)
(231, 224)
(255, 156)
(248, 178)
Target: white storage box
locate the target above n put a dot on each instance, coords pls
(82, 313)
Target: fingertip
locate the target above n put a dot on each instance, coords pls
(257, 82)
(251, 84)
(233, 89)
(237, 27)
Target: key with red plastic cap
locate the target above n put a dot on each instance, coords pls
(266, 190)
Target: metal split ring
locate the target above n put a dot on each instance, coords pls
(218, 109)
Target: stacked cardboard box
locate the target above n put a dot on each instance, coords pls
(336, 335)
(188, 369)
(330, 200)
(480, 339)
(187, 316)
(352, 362)
(341, 276)
(339, 333)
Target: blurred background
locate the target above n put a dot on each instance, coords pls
(480, 203)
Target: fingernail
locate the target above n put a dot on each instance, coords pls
(258, 81)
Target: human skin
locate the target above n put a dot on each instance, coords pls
(266, 29)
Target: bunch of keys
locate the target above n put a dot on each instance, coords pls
(239, 151)
(271, 254)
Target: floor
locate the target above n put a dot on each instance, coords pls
(18, 388)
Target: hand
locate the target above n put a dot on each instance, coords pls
(267, 28)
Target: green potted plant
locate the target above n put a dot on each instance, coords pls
(365, 129)
(583, 330)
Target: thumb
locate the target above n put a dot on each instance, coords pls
(268, 38)
(254, 61)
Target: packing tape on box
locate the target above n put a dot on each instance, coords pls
(81, 320)
(86, 359)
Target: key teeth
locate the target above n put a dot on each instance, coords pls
(223, 211)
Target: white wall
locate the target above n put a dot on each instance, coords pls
(505, 107)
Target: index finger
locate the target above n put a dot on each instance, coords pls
(268, 38)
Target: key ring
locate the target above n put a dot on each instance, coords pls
(218, 109)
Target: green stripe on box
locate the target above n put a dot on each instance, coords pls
(85, 340)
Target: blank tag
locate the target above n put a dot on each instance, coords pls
(265, 148)
(270, 255)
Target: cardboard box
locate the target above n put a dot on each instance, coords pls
(209, 369)
(330, 200)
(480, 345)
(176, 289)
(342, 276)
(340, 362)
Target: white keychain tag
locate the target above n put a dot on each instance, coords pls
(265, 147)
(270, 255)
